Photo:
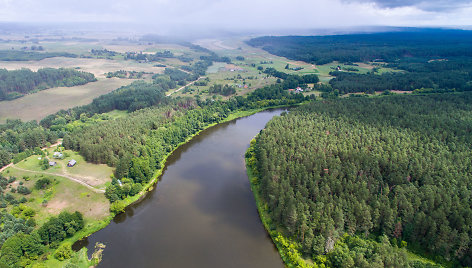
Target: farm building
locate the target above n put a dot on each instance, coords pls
(58, 155)
(71, 163)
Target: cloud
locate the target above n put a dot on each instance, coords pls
(431, 5)
(167, 15)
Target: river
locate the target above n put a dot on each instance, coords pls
(202, 212)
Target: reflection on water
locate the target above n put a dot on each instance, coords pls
(202, 212)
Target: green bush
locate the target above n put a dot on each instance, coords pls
(63, 252)
(42, 183)
(117, 207)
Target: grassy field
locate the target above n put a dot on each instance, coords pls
(96, 175)
(78, 188)
(64, 194)
(237, 74)
(221, 73)
(38, 105)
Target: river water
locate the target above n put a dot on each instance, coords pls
(202, 212)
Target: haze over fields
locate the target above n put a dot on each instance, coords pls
(168, 17)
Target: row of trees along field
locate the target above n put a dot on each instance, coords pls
(430, 59)
(292, 80)
(16, 55)
(394, 168)
(136, 96)
(14, 84)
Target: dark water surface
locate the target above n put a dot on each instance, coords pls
(202, 213)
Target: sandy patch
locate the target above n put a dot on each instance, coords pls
(56, 206)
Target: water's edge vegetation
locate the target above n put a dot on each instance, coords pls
(152, 184)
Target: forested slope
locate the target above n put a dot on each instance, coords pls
(14, 84)
(385, 169)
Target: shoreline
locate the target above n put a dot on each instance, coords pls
(96, 226)
(287, 249)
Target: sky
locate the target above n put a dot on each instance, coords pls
(242, 14)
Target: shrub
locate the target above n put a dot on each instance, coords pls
(63, 252)
(42, 183)
(23, 190)
(117, 207)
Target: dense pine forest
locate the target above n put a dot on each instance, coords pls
(355, 181)
(14, 84)
(435, 60)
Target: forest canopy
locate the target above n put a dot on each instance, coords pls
(394, 166)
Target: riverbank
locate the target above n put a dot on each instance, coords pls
(287, 249)
(150, 185)
(93, 227)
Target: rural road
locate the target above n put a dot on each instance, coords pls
(59, 175)
(191, 83)
(59, 141)
(5, 167)
(52, 174)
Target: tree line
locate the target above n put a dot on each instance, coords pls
(385, 47)
(158, 56)
(16, 83)
(292, 80)
(15, 55)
